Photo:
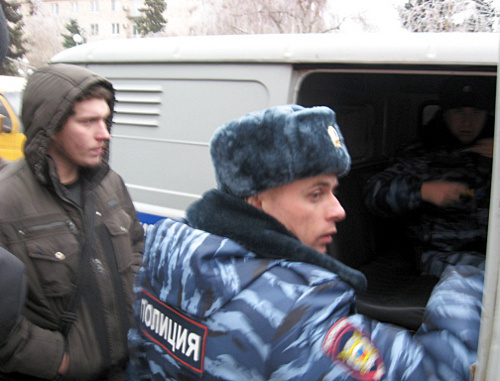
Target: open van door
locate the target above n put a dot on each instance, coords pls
(489, 340)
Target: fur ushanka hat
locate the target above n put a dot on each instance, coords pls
(268, 148)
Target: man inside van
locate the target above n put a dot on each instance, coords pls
(242, 288)
(69, 218)
(442, 185)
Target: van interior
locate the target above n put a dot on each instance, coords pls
(379, 112)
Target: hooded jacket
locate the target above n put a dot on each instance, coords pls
(42, 225)
(231, 294)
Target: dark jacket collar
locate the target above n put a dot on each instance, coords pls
(227, 216)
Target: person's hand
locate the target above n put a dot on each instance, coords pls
(442, 193)
(63, 368)
(483, 147)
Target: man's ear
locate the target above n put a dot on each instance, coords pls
(254, 201)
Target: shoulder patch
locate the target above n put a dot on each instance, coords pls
(353, 350)
(182, 337)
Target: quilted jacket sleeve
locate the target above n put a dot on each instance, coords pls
(396, 190)
(450, 331)
(330, 344)
(26, 341)
(354, 346)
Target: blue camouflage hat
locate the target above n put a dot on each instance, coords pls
(272, 147)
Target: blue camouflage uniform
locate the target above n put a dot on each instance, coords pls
(230, 294)
(451, 235)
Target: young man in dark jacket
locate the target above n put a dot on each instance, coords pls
(70, 219)
(243, 290)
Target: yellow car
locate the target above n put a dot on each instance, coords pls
(11, 137)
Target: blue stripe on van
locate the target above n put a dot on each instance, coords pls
(148, 220)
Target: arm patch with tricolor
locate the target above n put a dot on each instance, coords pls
(351, 349)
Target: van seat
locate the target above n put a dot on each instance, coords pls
(396, 293)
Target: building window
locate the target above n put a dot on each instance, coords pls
(115, 5)
(94, 6)
(94, 29)
(115, 28)
(74, 7)
(54, 8)
(134, 9)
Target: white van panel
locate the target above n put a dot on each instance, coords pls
(151, 118)
(395, 48)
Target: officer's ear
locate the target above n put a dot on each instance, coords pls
(255, 201)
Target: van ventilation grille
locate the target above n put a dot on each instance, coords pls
(137, 105)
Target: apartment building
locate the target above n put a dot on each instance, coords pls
(45, 22)
(98, 19)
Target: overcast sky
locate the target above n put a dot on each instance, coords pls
(382, 14)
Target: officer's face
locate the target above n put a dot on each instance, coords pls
(465, 123)
(307, 207)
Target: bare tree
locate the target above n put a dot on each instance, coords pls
(47, 33)
(17, 41)
(449, 16)
(262, 16)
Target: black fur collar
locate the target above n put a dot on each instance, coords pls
(227, 216)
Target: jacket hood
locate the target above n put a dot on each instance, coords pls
(47, 101)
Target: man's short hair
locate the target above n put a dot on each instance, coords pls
(96, 91)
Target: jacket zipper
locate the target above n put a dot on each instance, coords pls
(50, 226)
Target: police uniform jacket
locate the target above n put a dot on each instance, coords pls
(231, 294)
(43, 226)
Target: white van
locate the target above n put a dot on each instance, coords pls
(174, 92)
